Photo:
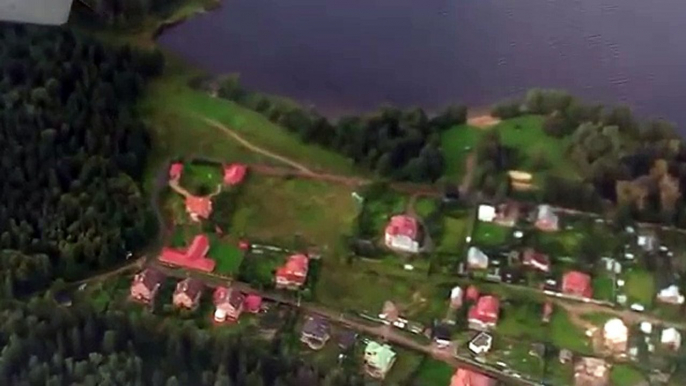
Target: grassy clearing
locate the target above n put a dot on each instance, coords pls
(522, 321)
(426, 206)
(597, 318)
(457, 142)
(456, 228)
(603, 287)
(278, 209)
(405, 365)
(226, 254)
(564, 333)
(201, 179)
(433, 372)
(640, 287)
(625, 375)
(490, 234)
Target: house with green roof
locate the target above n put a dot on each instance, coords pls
(378, 359)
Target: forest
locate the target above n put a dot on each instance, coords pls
(72, 153)
(396, 144)
(637, 166)
(45, 344)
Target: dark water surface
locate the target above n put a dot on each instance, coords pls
(351, 55)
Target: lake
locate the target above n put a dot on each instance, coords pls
(349, 56)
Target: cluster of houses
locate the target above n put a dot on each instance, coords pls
(200, 207)
(229, 302)
(507, 214)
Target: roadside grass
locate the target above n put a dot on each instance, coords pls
(457, 142)
(625, 375)
(564, 333)
(433, 372)
(490, 235)
(516, 355)
(640, 287)
(279, 209)
(597, 318)
(527, 136)
(226, 254)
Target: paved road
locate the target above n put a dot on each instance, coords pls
(355, 323)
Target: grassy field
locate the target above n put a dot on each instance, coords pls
(226, 254)
(433, 372)
(456, 228)
(603, 287)
(625, 375)
(278, 209)
(457, 142)
(489, 234)
(640, 287)
(564, 333)
(201, 179)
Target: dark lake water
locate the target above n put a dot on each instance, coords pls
(352, 55)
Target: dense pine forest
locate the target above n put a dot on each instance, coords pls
(72, 153)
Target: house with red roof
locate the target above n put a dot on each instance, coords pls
(193, 257)
(536, 260)
(546, 219)
(234, 174)
(145, 285)
(228, 303)
(187, 293)
(175, 171)
(253, 303)
(484, 314)
(293, 274)
(577, 283)
(198, 208)
(403, 233)
(464, 377)
(472, 293)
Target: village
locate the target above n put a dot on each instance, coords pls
(511, 291)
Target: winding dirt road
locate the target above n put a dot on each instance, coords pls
(250, 146)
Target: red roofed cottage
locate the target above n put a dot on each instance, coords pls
(577, 283)
(234, 174)
(293, 274)
(175, 170)
(484, 314)
(253, 303)
(536, 260)
(193, 257)
(228, 304)
(402, 233)
(464, 377)
(187, 293)
(198, 207)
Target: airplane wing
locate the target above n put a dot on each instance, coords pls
(48, 12)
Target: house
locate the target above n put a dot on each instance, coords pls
(315, 332)
(347, 339)
(484, 314)
(402, 233)
(193, 257)
(253, 304)
(536, 260)
(441, 335)
(476, 259)
(565, 356)
(547, 311)
(507, 214)
(293, 274)
(175, 171)
(198, 208)
(486, 213)
(145, 285)
(456, 297)
(647, 241)
(546, 219)
(577, 283)
(671, 338)
(378, 359)
(234, 174)
(464, 377)
(472, 293)
(228, 303)
(670, 295)
(591, 372)
(187, 293)
(615, 335)
(481, 343)
(389, 311)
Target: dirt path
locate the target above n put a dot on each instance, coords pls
(255, 148)
(483, 121)
(136, 264)
(576, 310)
(470, 164)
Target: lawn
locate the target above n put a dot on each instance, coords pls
(603, 287)
(201, 179)
(625, 375)
(457, 143)
(278, 209)
(433, 372)
(527, 136)
(522, 320)
(640, 287)
(456, 228)
(597, 318)
(490, 235)
(226, 254)
(378, 208)
(258, 268)
(565, 334)
(426, 206)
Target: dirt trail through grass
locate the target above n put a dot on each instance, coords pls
(576, 310)
(255, 148)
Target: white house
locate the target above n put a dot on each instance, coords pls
(481, 344)
(671, 295)
(486, 213)
(476, 259)
(671, 337)
(616, 335)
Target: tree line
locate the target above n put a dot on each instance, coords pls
(396, 144)
(72, 153)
